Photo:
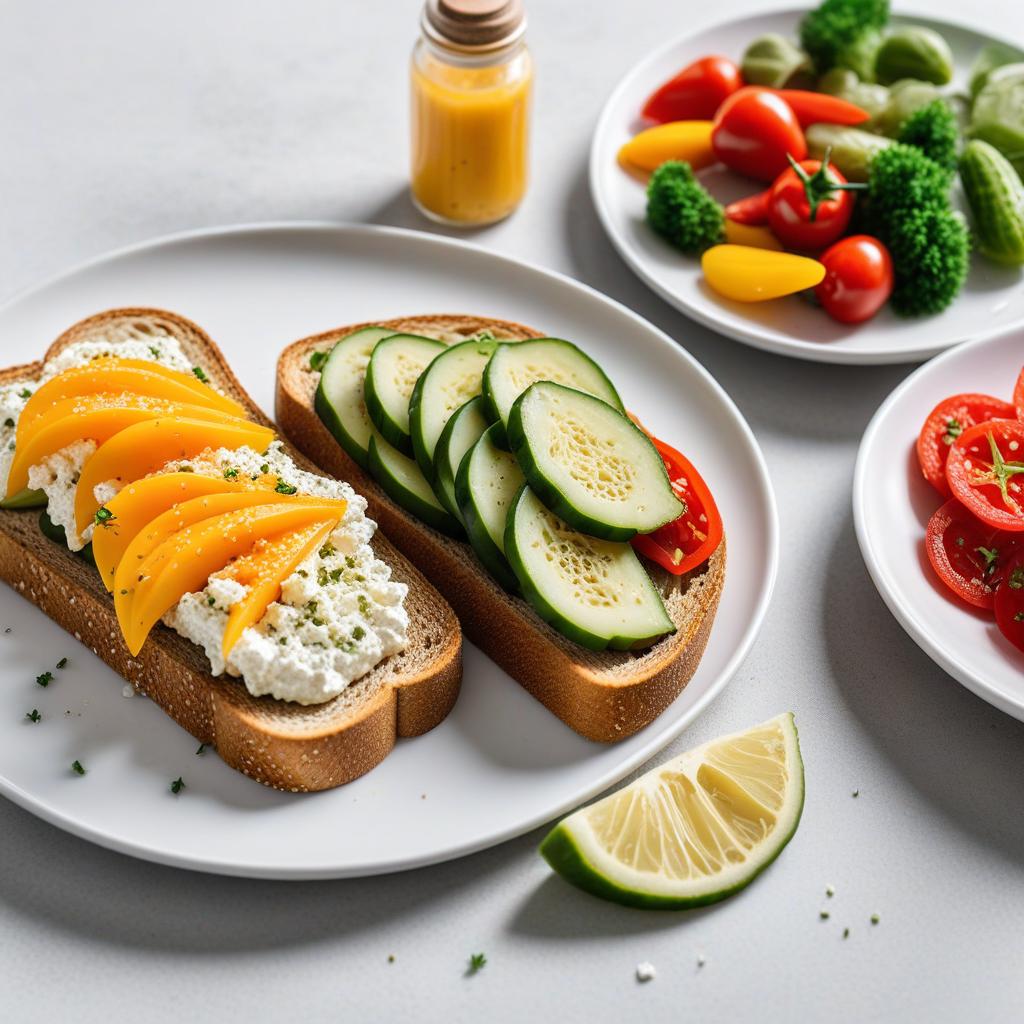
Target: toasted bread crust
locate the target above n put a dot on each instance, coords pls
(286, 746)
(604, 696)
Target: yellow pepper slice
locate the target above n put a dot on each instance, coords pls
(746, 274)
(677, 140)
(752, 235)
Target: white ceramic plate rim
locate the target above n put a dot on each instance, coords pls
(960, 670)
(750, 335)
(659, 739)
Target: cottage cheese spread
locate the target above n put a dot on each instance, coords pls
(339, 613)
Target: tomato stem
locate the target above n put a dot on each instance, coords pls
(821, 186)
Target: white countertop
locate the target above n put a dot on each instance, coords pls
(124, 121)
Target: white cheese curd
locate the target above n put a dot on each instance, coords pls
(338, 616)
(12, 400)
(57, 476)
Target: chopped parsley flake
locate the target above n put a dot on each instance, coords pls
(44, 679)
(990, 555)
(364, 605)
(177, 785)
(846, 933)
(358, 633)
(317, 360)
(477, 961)
(8, 423)
(200, 750)
(856, 793)
(283, 488)
(1016, 579)
(76, 767)
(63, 663)
(326, 551)
(824, 915)
(201, 374)
(875, 919)
(230, 474)
(265, 468)
(33, 715)
(829, 891)
(103, 516)
(1019, 617)
(954, 428)
(24, 393)
(211, 600)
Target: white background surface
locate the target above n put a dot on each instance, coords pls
(123, 121)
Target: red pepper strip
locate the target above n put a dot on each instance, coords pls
(689, 541)
(812, 107)
(751, 209)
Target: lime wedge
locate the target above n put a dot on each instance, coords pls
(692, 831)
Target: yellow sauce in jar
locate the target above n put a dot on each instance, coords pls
(470, 135)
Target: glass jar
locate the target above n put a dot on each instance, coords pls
(471, 85)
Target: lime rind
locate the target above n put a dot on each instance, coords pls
(574, 851)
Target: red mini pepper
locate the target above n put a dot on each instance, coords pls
(696, 93)
(814, 107)
(751, 209)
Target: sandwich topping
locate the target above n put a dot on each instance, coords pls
(198, 518)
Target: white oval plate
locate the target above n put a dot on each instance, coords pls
(892, 503)
(989, 301)
(500, 764)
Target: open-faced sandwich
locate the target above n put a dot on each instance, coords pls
(215, 571)
(504, 464)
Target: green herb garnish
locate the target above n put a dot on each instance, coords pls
(477, 961)
(24, 393)
(103, 517)
(283, 488)
(63, 663)
(1016, 578)
(8, 423)
(200, 374)
(326, 551)
(44, 679)
(155, 352)
(33, 715)
(76, 767)
(177, 785)
(200, 750)
(875, 919)
(990, 555)
(211, 600)
(265, 468)
(317, 360)
(230, 474)
(954, 428)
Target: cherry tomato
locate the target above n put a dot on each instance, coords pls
(985, 472)
(750, 210)
(754, 131)
(1009, 602)
(1018, 396)
(969, 556)
(696, 93)
(689, 541)
(806, 207)
(945, 423)
(858, 279)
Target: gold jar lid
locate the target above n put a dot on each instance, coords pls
(474, 25)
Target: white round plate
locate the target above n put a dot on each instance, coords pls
(991, 299)
(892, 503)
(501, 764)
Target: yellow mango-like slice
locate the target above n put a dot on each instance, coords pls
(92, 417)
(119, 376)
(183, 563)
(751, 234)
(139, 503)
(263, 570)
(149, 445)
(747, 274)
(677, 140)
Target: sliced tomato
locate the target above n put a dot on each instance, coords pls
(945, 423)
(1018, 396)
(1010, 601)
(969, 556)
(689, 541)
(984, 470)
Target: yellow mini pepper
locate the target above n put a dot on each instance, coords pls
(746, 274)
(677, 140)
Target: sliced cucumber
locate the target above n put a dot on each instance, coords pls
(460, 433)
(595, 592)
(394, 368)
(513, 368)
(486, 486)
(454, 377)
(57, 534)
(25, 498)
(339, 395)
(403, 482)
(592, 466)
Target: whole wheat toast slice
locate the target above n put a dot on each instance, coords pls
(603, 695)
(283, 745)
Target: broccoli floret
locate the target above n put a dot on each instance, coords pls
(933, 130)
(908, 208)
(680, 209)
(845, 33)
